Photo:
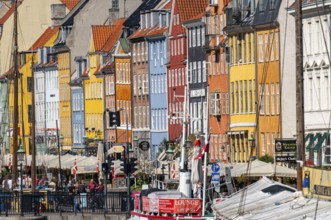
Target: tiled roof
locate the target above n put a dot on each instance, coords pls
(134, 19)
(100, 34)
(115, 34)
(140, 33)
(156, 31)
(8, 14)
(199, 16)
(42, 40)
(105, 36)
(168, 5)
(190, 8)
(70, 4)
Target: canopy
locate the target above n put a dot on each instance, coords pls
(84, 164)
(260, 168)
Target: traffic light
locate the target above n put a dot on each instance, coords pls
(123, 165)
(104, 168)
(114, 118)
(133, 165)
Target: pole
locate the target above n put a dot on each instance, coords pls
(21, 188)
(15, 113)
(33, 134)
(299, 93)
(127, 157)
(105, 155)
(58, 147)
(204, 184)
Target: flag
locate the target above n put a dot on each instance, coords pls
(204, 149)
(97, 169)
(74, 169)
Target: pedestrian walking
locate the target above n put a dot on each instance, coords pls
(77, 202)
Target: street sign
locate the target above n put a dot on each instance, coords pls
(215, 167)
(215, 177)
(285, 150)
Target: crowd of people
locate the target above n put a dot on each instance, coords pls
(43, 183)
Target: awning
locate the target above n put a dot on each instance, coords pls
(317, 135)
(309, 137)
(320, 141)
(116, 149)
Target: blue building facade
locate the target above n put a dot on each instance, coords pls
(158, 89)
(158, 59)
(77, 94)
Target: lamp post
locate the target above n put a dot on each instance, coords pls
(251, 140)
(85, 142)
(170, 155)
(20, 158)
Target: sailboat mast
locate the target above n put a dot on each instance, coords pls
(299, 93)
(15, 110)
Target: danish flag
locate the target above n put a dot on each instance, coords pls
(204, 149)
(74, 169)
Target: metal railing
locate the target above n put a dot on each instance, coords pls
(59, 202)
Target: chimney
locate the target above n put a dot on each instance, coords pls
(58, 12)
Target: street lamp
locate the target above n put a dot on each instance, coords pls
(20, 158)
(170, 155)
(251, 140)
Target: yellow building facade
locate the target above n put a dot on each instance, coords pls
(268, 75)
(65, 98)
(27, 60)
(242, 92)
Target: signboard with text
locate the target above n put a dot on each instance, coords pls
(285, 150)
(172, 206)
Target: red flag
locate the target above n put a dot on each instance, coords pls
(204, 149)
(75, 168)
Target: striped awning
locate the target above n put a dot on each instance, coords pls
(320, 141)
(309, 137)
(312, 140)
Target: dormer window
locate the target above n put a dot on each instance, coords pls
(148, 20)
(40, 55)
(142, 21)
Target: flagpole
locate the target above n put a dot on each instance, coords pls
(206, 149)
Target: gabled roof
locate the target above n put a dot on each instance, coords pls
(70, 4)
(105, 36)
(115, 34)
(42, 40)
(190, 8)
(134, 19)
(100, 34)
(140, 33)
(156, 31)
